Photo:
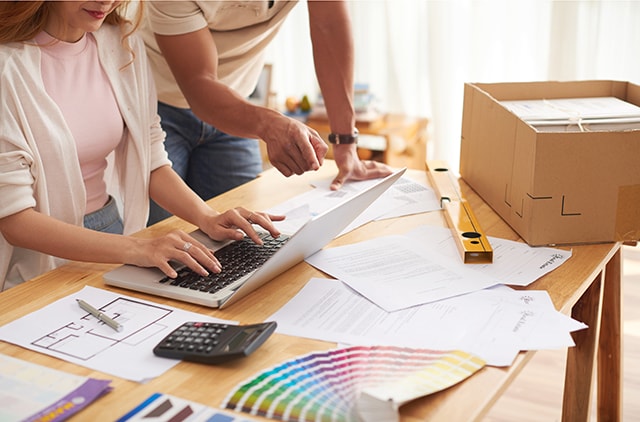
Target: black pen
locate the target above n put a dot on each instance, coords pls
(100, 315)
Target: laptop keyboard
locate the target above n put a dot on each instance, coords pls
(238, 259)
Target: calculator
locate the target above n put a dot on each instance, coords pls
(209, 342)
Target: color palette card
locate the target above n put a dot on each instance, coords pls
(32, 392)
(354, 383)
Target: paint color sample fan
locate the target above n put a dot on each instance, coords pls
(359, 383)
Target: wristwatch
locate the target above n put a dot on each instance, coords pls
(349, 138)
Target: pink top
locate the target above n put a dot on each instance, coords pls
(74, 79)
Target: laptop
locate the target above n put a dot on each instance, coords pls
(310, 238)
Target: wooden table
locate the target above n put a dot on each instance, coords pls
(587, 286)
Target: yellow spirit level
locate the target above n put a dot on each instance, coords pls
(471, 242)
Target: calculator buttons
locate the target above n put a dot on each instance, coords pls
(209, 342)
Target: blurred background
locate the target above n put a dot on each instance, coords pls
(416, 55)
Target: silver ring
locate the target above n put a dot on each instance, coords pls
(249, 218)
(187, 246)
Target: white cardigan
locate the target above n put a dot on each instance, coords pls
(39, 166)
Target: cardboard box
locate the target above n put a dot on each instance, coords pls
(552, 187)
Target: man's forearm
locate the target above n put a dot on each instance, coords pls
(334, 61)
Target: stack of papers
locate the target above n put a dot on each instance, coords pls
(30, 392)
(389, 289)
(397, 272)
(577, 114)
(493, 324)
(404, 197)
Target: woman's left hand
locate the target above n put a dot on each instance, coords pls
(236, 222)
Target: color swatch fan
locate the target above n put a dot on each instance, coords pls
(359, 383)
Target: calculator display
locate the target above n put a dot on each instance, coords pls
(241, 338)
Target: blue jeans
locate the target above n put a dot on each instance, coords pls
(106, 219)
(211, 162)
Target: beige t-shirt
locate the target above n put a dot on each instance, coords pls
(241, 30)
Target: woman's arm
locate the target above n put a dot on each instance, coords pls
(31, 229)
(173, 194)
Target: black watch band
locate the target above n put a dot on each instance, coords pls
(350, 138)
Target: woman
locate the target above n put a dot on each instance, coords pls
(76, 90)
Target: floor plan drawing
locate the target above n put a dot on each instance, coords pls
(88, 336)
(64, 330)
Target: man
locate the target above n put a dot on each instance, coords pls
(207, 56)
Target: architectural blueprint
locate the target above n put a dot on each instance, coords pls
(63, 330)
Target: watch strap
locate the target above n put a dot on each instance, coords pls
(341, 138)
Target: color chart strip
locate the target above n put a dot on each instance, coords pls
(329, 385)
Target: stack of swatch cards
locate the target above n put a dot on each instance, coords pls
(359, 383)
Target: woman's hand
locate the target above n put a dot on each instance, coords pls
(25, 229)
(236, 222)
(179, 246)
(176, 246)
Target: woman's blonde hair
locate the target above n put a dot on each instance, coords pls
(22, 20)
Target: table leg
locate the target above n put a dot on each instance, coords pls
(609, 355)
(582, 357)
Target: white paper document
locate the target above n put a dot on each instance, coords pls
(63, 330)
(514, 263)
(574, 110)
(396, 272)
(424, 265)
(404, 197)
(494, 324)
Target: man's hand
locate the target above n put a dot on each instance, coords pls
(351, 167)
(293, 147)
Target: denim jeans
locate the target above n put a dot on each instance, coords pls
(106, 219)
(211, 162)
